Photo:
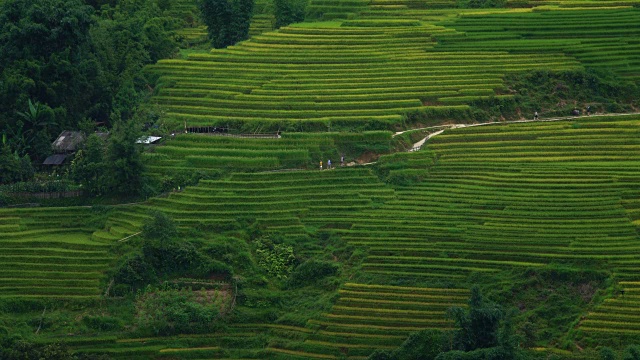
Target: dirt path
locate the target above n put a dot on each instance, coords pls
(417, 146)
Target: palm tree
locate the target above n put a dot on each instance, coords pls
(35, 120)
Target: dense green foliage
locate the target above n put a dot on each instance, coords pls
(289, 11)
(312, 271)
(256, 251)
(558, 93)
(161, 257)
(478, 325)
(13, 167)
(111, 167)
(169, 311)
(18, 349)
(227, 20)
(62, 63)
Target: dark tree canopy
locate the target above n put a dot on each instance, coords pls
(62, 64)
(227, 20)
(479, 325)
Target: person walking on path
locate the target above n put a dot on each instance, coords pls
(320, 164)
(342, 160)
(535, 116)
(329, 164)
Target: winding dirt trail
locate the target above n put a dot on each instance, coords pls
(417, 146)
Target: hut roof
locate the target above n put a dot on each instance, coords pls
(54, 159)
(68, 141)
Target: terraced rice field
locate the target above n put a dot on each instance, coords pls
(370, 317)
(589, 35)
(496, 198)
(493, 199)
(526, 195)
(378, 60)
(278, 201)
(367, 317)
(326, 74)
(233, 342)
(49, 253)
(207, 153)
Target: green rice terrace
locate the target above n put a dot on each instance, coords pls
(301, 217)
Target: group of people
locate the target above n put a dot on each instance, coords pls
(329, 162)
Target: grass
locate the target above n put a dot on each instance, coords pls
(500, 206)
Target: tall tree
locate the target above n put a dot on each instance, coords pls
(124, 159)
(62, 64)
(479, 324)
(45, 55)
(227, 20)
(87, 168)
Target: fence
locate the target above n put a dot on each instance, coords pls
(48, 195)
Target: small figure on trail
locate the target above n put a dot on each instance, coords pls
(342, 160)
(588, 110)
(320, 164)
(535, 116)
(329, 164)
(575, 112)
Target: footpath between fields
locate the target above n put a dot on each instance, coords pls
(442, 128)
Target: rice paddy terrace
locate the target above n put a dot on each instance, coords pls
(50, 253)
(393, 57)
(492, 200)
(496, 199)
(193, 152)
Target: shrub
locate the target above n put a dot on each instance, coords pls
(606, 353)
(231, 251)
(276, 259)
(311, 271)
(102, 323)
(406, 177)
(632, 353)
(134, 272)
(160, 227)
(289, 11)
(170, 311)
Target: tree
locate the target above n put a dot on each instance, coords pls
(227, 20)
(479, 325)
(124, 164)
(159, 227)
(33, 131)
(115, 167)
(632, 353)
(87, 168)
(45, 56)
(289, 11)
(13, 167)
(61, 65)
(606, 353)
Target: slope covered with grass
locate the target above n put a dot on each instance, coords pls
(335, 264)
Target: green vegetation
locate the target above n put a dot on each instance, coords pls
(234, 237)
(114, 167)
(62, 63)
(227, 21)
